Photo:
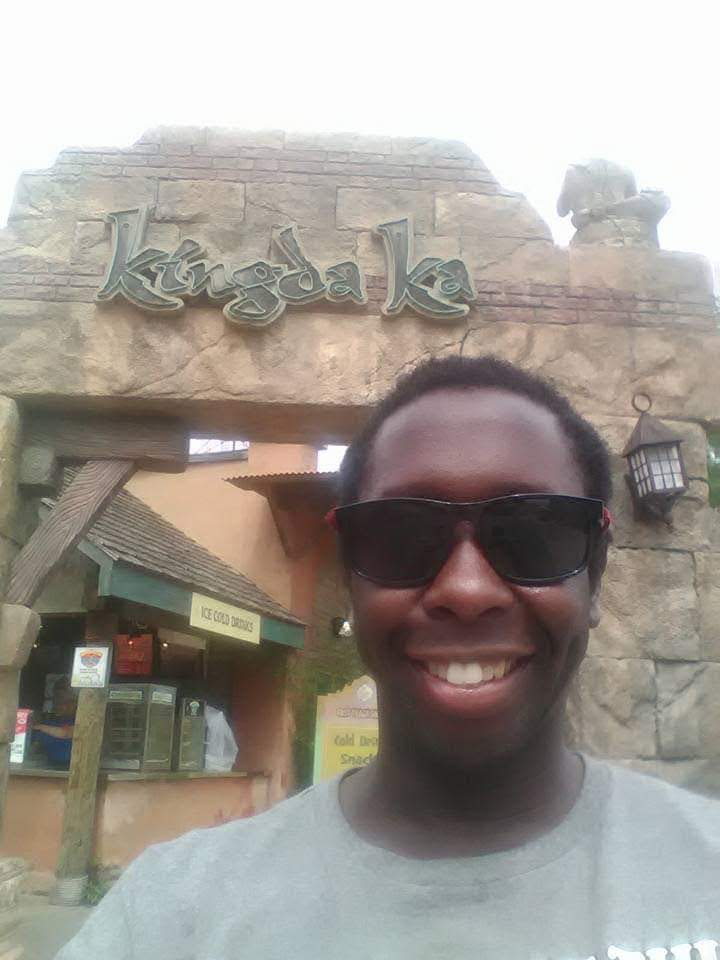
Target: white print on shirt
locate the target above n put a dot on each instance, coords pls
(702, 950)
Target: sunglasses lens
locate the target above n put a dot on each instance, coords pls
(533, 540)
(544, 538)
(394, 541)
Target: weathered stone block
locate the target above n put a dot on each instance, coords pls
(84, 198)
(679, 709)
(48, 240)
(679, 369)
(91, 244)
(343, 142)
(8, 552)
(9, 682)
(515, 259)
(165, 236)
(364, 209)
(475, 214)
(19, 628)
(511, 341)
(648, 607)
(714, 530)
(654, 274)
(199, 201)
(589, 364)
(9, 462)
(708, 585)
(585, 362)
(39, 468)
(272, 205)
(218, 138)
(13, 871)
(611, 708)
(709, 710)
(428, 147)
(371, 251)
(26, 330)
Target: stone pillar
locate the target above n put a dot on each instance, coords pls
(18, 629)
(646, 694)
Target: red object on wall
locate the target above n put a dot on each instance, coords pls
(133, 655)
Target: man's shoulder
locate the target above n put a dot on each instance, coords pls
(207, 877)
(653, 810)
(284, 829)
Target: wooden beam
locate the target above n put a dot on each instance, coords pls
(154, 443)
(75, 512)
(79, 817)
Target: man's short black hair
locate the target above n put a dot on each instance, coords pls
(487, 372)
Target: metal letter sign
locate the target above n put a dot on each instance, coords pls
(256, 294)
(431, 287)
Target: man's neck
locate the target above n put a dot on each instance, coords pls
(419, 808)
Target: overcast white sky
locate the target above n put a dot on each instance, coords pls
(530, 86)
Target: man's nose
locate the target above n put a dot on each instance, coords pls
(467, 586)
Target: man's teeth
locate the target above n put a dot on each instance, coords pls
(471, 673)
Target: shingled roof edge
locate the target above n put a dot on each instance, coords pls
(124, 502)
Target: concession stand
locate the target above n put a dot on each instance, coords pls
(190, 638)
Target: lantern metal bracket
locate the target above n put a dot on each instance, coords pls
(657, 510)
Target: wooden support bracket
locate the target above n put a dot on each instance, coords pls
(154, 443)
(63, 528)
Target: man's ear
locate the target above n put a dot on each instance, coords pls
(594, 616)
(598, 569)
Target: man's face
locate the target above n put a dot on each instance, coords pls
(467, 445)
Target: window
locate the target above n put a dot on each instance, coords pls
(203, 449)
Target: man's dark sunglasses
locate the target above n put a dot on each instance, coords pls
(531, 539)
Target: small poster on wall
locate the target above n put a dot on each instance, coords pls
(91, 667)
(346, 729)
(23, 724)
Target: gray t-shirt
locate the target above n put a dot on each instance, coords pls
(635, 866)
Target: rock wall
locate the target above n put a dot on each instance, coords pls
(603, 322)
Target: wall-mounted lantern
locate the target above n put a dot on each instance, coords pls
(657, 474)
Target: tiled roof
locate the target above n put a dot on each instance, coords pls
(130, 531)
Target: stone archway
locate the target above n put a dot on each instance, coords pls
(88, 332)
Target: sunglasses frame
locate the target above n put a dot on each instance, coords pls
(468, 510)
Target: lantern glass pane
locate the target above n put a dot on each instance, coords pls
(664, 462)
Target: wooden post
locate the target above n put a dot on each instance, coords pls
(79, 818)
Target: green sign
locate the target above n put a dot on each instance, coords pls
(256, 294)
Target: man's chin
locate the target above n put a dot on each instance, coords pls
(459, 745)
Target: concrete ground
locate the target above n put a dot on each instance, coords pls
(43, 929)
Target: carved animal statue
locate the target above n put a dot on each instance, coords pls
(607, 207)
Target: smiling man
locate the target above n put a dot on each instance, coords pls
(474, 529)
